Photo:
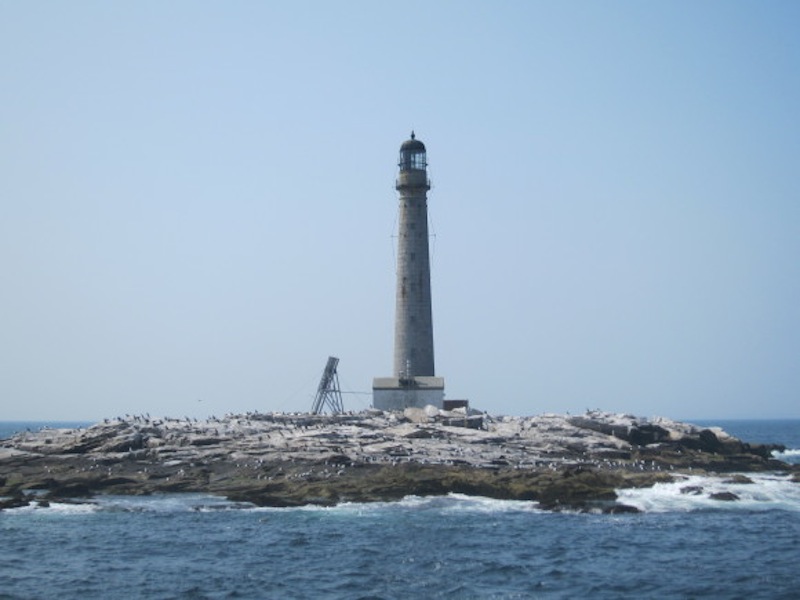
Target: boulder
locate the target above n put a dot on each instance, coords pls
(628, 429)
(763, 450)
(620, 509)
(417, 415)
(645, 434)
(724, 496)
(135, 441)
(738, 478)
(15, 502)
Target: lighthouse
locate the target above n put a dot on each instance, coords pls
(414, 383)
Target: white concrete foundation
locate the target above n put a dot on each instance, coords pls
(391, 393)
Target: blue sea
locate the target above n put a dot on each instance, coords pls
(198, 546)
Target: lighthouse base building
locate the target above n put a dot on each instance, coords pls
(394, 393)
(414, 383)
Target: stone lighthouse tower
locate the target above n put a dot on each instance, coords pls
(414, 382)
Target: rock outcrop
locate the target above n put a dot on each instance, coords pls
(562, 462)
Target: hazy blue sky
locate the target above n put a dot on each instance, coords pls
(198, 203)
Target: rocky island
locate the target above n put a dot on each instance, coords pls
(562, 462)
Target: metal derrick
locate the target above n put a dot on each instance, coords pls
(329, 395)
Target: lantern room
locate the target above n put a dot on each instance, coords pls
(412, 155)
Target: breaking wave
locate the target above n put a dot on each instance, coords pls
(791, 456)
(449, 504)
(54, 508)
(183, 503)
(160, 503)
(751, 492)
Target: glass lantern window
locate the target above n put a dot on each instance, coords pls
(410, 160)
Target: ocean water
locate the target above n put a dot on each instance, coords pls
(9, 428)
(197, 546)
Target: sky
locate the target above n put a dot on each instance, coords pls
(197, 203)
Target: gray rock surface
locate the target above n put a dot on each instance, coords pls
(280, 459)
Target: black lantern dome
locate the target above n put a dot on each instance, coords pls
(412, 155)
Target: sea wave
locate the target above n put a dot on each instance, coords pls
(159, 503)
(750, 492)
(448, 504)
(54, 508)
(790, 455)
(169, 503)
(706, 493)
(183, 503)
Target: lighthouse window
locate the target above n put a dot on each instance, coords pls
(410, 160)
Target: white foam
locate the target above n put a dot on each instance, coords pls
(481, 504)
(160, 503)
(791, 456)
(166, 503)
(462, 503)
(767, 492)
(451, 503)
(54, 508)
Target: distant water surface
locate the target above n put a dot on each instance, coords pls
(762, 431)
(9, 428)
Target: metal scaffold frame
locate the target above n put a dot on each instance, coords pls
(328, 393)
